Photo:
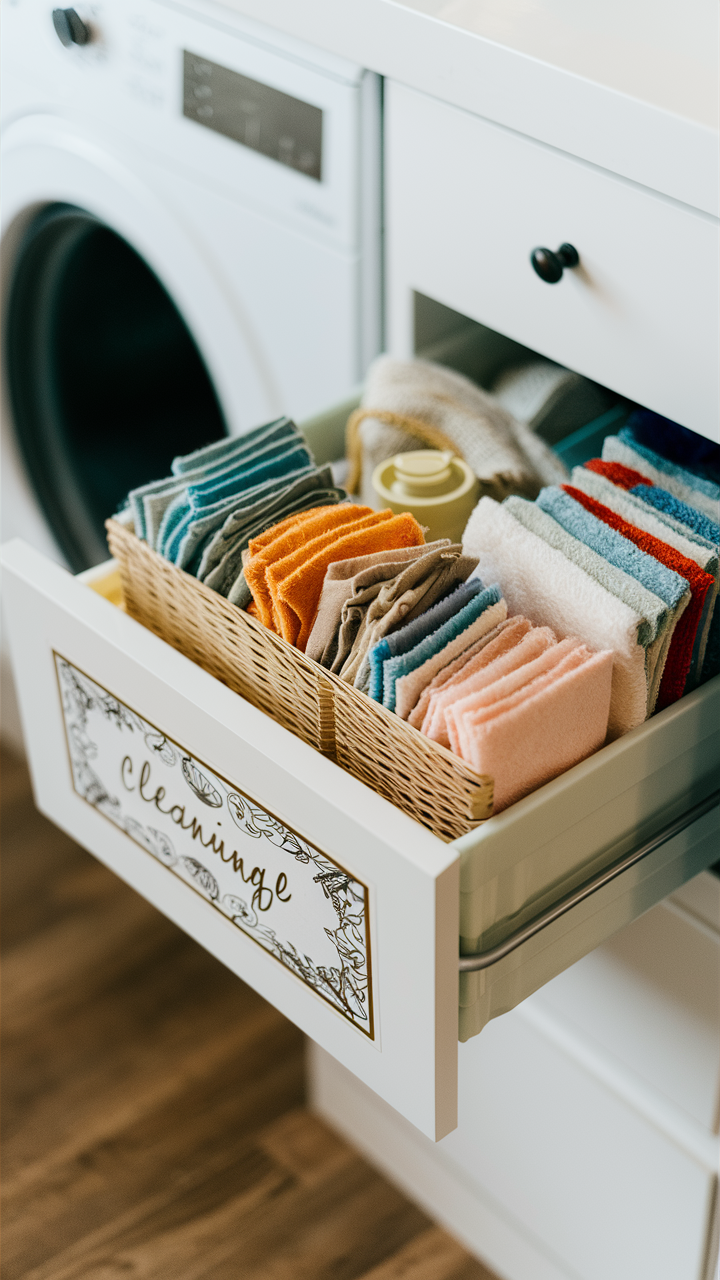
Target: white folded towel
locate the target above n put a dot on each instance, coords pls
(539, 582)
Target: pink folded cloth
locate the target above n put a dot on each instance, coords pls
(505, 655)
(417, 715)
(538, 730)
(408, 689)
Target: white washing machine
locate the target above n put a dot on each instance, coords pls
(191, 244)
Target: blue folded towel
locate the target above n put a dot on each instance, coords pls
(407, 636)
(673, 469)
(693, 452)
(222, 482)
(698, 528)
(222, 451)
(666, 502)
(616, 549)
(403, 663)
(181, 517)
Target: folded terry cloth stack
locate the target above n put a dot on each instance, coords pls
(220, 565)
(345, 581)
(400, 600)
(650, 607)
(532, 724)
(407, 636)
(540, 582)
(683, 484)
(516, 644)
(679, 659)
(227, 493)
(412, 666)
(639, 513)
(675, 443)
(286, 566)
(669, 586)
(418, 404)
(195, 466)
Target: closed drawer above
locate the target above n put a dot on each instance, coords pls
(468, 201)
(345, 913)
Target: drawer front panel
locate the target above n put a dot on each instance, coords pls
(300, 906)
(338, 909)
(467, 203)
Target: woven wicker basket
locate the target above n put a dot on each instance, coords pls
(427, 782)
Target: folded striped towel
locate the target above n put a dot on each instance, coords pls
(677, 666)
(663, 527)
(700, 493)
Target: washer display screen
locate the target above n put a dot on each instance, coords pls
(281, 127)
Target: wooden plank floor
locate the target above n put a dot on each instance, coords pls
(153, 1116)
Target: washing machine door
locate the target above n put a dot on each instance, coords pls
(122, 346)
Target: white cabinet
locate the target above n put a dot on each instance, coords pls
(587, 1142)
(467, 202)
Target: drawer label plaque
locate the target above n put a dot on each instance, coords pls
(293, 900)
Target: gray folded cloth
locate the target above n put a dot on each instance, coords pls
(209, 523)
(225, 575)
(342, 579)
(222, 451)
(370, 616)
(248, 511)
(150, 501)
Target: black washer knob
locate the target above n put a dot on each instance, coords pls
(550, 266)
(70, 28)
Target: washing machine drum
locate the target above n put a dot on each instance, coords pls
(106, 383)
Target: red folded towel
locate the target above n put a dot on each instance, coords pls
(672, 685)
(623, 477)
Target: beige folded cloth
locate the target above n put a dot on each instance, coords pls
(409, 688)
(503, 657)
(425, 405)
(409, 595)
(343, 579)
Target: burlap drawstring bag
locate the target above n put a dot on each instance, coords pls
(413, 404)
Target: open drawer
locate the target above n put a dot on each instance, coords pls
(339, 909)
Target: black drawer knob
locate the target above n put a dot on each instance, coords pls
(70, 28)
(550, 266)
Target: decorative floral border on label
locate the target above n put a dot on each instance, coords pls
(88, 709)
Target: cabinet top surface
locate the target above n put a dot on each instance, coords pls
(659, 51)
(631, 87)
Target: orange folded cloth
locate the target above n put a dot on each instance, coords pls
(282, 539)
(297, 587)
(285, 618)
